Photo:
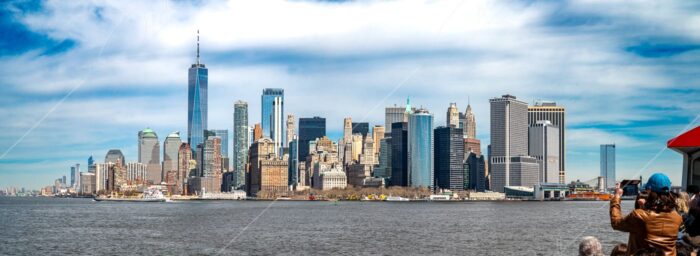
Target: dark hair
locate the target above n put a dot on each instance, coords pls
(649, 251)
(642, 195)
(660, 202)
(619, 250)
(692, 189)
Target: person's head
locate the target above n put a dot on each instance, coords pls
(682, 201)
(692, 190)
(660, 198)
(619, 250)
(590, 246)
(658, 183)
(649, 251)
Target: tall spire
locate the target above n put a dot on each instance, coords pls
(197, 47)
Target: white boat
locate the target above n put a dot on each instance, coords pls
(150, 195)
(396, 199)
(439, 198)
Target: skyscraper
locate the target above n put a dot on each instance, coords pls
(476, 172)
(556, 115)
(607, 164)
(310, 129)
(449, 158)
(361, 128)
(115, 156)
(420, 149)
(377, 136)
(171, 147)
(149, 154)
(293, 165)
(240, 141)
(399, 154)
(273, 116)
(257, 132)
(197, 101)
(90, 161)
(184, 157)
(347, 130)
(543, 145)
(452, 116)
(223, 134)
(384, 167)
(396, 114)
(510, 164)
(291, 129)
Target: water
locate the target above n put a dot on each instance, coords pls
(34, 226)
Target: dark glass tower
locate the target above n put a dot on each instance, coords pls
(197, 102)
(399, 154)
(362, 128)
(309, 129)
(449, 158)
(272, 111)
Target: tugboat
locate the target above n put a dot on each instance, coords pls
(150, 195)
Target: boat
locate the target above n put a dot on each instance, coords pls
(150, 195)
(396, 199)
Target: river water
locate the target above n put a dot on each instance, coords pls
(60, 226)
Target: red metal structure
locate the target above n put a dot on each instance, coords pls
(688, 144)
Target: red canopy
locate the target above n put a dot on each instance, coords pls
(689, 139)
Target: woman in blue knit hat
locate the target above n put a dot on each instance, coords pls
(656, 225)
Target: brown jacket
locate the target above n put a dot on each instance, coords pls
(647, 228)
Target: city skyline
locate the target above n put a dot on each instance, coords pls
(113, 102)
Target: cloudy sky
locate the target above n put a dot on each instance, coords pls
(81, 77)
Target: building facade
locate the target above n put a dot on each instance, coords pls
(310, 129)
(543, 145)
(240, 142)
(452, 118)
(291, 129)
(420, 149)
(607, 164)
(556, 115)
(171, 148)
(272, 100)
(149, 154)
(197, 101)
(399, 154)
(449, 158)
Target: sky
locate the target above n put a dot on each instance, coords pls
(82, 77)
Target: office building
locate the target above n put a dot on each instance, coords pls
(136, 173)
(399, 154)
(452, 116)
(149, 154)
(291, 129)
(186, 167)
(383, 169)
(273, 116)
(397, 114)
(468, 123)
(510, 164)
(241, 141)
(607, 164)
(267, 171)
(293, 165)
(171, 147)
(360, 128)
(347, 129)
(197, 101)
(420, 149)
(257, 132)
(475, 173)
(449, 158)
(87, 183)
(310, 129)
(225, 159)
(377, 136)
(543, 145)
(115, 156)
(556, 115)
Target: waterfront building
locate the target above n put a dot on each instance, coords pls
(211, 158)
(399, 154)
(171, 147)
(509, 162)
(257, 132)
(149, 154)
(241, 142)
(87, 183)
(607, 164)
(347, 129)
(330, 176)
(101, 173)
(468, 123)
(543, 145)
(197, 101)
(449, 158)
(310, 129)
(184, 167)
(377, 136)
(291, 129)
(452, 116)
(475, 172)
(115, 156)
(267, 171)
(361, 128)
(555, 114)
(272, 100)
(136, 173)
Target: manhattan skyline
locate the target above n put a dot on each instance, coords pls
(88, 88)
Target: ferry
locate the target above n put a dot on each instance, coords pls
(150, 195)
(396, 199)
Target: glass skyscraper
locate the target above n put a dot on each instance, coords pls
(607, 164)
(197, 102)
(240, 141)
(420, 149)
(272, 117)
(449, 158)
(293, 167)
(310, 129)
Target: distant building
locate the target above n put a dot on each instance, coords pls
(225, 160)
(383, 169)
(240, 142)
(267, 171)
(399, 154)
(420, 149)
(468, 123)
(472, 145)
(452, 116)
(291, 129)
(347, 129)
(257, 132)
(543, 145)
(115, 156)
(475, 172)
(361, 128)
(510, 164)
(333, 178)
(171, 147)
(87, 183)
(197, 102)
(556, 115)
(377, 136)
(272, 100)
(293, 164)
(449, 158)
(149, 154)
(607, 164)
(185, 167)
(136, 173)
(397, 114)
(310, 129)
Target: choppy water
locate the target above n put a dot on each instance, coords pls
(37, 226)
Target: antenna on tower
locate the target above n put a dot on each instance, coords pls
(197, 47)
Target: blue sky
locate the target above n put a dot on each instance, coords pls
(79, 77)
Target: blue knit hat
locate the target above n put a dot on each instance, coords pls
(658, 183)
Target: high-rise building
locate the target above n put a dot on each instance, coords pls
(225, 159)
(452, 116)
(171, 147)
(240, 141)
(397, 114)
(383, 169)
(273, 116)
(115, 156)
(377, 136)
(475, 172)
(149, 154)
(291, 129)
(607, 164)
(293, 166)
(420, 149)
(310, 129)
(399, 154)
(90, 161)
(449, 158)
(543, 145)
(510, 164)
(184, 167)
(556, 115)
(136, 173)
(72, 176)
(468, 123)
(197, 101)
(361, 128)
(356, 146)
(257, 132)
(347, 129)
(267, 171)
(472, 145)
